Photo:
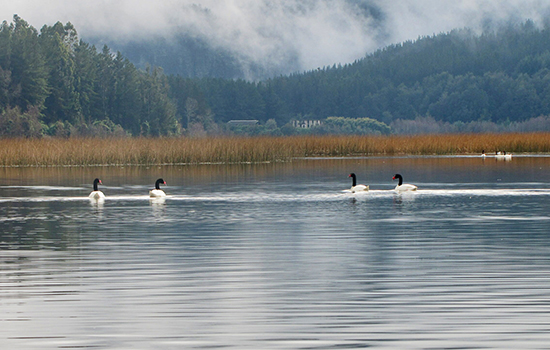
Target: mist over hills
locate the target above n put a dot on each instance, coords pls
(255, 40)
(259, 41)
(192, 57)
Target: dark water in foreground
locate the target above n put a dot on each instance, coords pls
(277, 256)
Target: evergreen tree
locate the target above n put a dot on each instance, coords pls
(58, 45)
(158, 112)
(24, 59)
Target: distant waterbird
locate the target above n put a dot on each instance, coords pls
(96, 193)
(157, 192)
(354, 186)
(401, 187)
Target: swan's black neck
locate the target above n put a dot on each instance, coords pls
(96, 181)
(353, 179)
(400, 178)
(157, 184)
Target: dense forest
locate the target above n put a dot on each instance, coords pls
(53, 83)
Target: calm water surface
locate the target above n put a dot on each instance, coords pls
(278, 256)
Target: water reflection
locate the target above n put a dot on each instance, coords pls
(278, 256)
(97, 202)
(158, 206)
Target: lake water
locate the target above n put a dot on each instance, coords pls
(278, 256)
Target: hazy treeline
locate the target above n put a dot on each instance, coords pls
(52, 83)
(453, 82)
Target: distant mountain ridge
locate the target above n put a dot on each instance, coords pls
(496, 78)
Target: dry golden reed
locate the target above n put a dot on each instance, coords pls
(148, 151)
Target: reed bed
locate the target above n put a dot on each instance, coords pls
(152, 151)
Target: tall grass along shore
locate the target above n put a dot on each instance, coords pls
(149, 151)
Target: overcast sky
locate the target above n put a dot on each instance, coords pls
(314, 33)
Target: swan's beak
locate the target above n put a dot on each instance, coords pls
(165, 182)
(393, 178)
(101, 183)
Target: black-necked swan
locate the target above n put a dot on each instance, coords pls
(354, 186)
(96, 194)
(157, 192)
(401, 187)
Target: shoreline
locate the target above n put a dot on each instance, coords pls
(519, 155)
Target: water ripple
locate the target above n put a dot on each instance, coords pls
(300, 266)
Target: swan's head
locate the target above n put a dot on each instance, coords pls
(398, 177)
(157, 184)
(353, 179)
(97, 181)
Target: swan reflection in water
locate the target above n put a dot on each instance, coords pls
(97, 202)
(159, 206)
(503, 156)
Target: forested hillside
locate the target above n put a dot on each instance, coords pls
(52, 83)
(457, 81)
(182, 55)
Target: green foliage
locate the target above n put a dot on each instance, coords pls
(57, 44)
(14, 123)
(357, 126)
(22, 65)
(74, 89)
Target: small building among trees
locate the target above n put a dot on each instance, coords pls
(243, 122)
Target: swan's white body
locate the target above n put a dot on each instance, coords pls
(406, 187)
(359, 188)
(355, 187)
(96, 195)
(401, 187)
(157, 193)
